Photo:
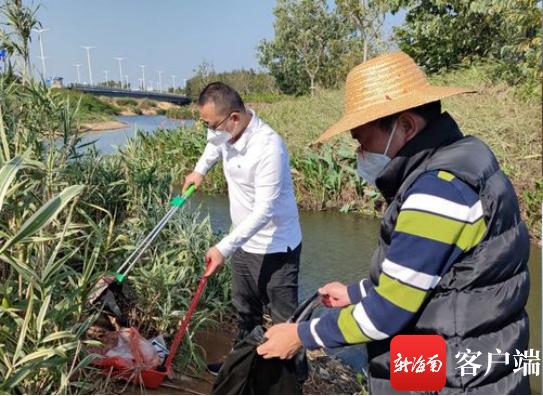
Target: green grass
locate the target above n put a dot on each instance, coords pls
(147, 103)
(91, 108)
(264, 97)
(300, 120)
(126, 102)
(188, 112)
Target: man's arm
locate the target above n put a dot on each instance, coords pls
(210, 156)
(440, 219)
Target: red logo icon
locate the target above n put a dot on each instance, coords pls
(418, 362)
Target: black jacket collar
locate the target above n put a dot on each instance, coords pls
(441, 131)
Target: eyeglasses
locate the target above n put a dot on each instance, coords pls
(214, 127)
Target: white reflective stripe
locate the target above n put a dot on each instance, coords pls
(366, 324)
(362, 288)
(312, 325)
(444, 207)
(410, 276)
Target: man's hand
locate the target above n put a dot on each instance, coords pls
(214, 260)
(335, 294)
(282, 342)
(193, 178)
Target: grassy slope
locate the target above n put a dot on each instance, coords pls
(509, 124)
(91, 108)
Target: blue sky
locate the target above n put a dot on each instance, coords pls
(170, 35)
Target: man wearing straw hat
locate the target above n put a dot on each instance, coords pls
(453, 251)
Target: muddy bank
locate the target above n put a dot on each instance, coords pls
(327, 374)
(101, 126)
(140, 106)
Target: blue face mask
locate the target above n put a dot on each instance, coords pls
(369, 165)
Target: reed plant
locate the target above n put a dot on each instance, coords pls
(66, 219)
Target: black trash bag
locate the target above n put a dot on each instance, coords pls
(245, 372)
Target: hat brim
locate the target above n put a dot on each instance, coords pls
(371, 113)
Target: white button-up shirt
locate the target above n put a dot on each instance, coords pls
(262, 203)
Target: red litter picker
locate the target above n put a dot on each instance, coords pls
(103, 283)
(140, 374)
(152, 378)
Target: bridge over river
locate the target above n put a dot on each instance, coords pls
(128, 93)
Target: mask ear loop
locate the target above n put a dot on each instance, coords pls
(391, 136)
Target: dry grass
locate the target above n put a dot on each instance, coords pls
(301, 119)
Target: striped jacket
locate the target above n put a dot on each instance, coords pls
(441, 217)
(428, 235)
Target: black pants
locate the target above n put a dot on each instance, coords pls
(262, 282)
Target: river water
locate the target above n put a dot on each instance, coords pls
(336, 246)
(107, 142)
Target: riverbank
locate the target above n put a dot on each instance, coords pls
(499, 114)
(324, 176)
(509, 123)
(101, 126)
(90, 109)
(94, 112)
(133, 106)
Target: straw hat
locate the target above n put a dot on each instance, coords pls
(383, 86)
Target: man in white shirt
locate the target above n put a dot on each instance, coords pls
(265, 242)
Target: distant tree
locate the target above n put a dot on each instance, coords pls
(19, 20)
(442, 34)
(366, 18)
(176, 90)
(308, 38)
(244, 81)
(110, 84)
(203, 75)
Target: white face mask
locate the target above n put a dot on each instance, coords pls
(218, 137)
(369, 165)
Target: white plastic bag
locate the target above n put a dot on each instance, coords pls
(134, 350)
